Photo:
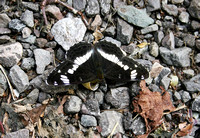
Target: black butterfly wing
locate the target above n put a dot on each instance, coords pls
(78, 68)
(125, 70)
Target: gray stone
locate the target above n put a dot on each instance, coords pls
(42, 58)
(31, 39)
(194, 9)
(159, 35)
(169, 41)
(92, 8)
(27, 63)
(32, 97)
(19, 78)
(68, 31)
(114, 41)
(108, 120)
(99, 96)
(118, 97)
(178, 42)
(4, 31)
(54, 11)
(149, 29)
(16, 25)
(185, 96)
(164, 73)
(26, 32)
(179, 57)
(3, 83)
(153, 5)
(88, 37)
(5, 39)
(170, 9)
(165, 81)
(188, 72)
(79, 4)
(193, 85)
(128, 49)
(91, 107)
(195, 25)
(10, 54)
(154, 88)
(27, 18)
(124, 31)
(138, 126)
(22, 133)
(134, 16)
(60, 54)
(184, 17)
(177, 96)
(105, 6)
(31, 5)
(196, 104)
(51, 44)
(189, 39)
(43, 96)
(110, 31)
(41, 42)
(198, 44)
(88, 121)
(177, 1)
(154, 49)
(4, 20)
(197, 58)
(72, 105)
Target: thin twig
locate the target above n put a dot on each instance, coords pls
(114, 128)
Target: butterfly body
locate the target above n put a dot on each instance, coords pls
(104, 60)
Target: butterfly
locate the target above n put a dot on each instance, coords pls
(103, 60)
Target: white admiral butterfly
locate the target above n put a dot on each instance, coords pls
(104, 60)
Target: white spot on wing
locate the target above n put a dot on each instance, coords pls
(82, 59)
(70, 71)
(126, 67)
(133, 74)
(64, 79)
(55, 83)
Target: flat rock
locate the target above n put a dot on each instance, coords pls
(134, 16)
(3, 83)
(79, 4)
(4, 31)
(193, 85)
(16, 25)
(19, 78)
(196, 104)
(92, 8)
(42, 58)
(31, 39)
(149, 29)
(88, 121)
(91, 107)
(107, 122)
(73, 105)
(124, 31)
(169, 41)
(153, 5)
(194, 9)
(170, 9)
(22, 133)
(32, 97)
(105, 6)
(28, 63)
(177, 57)
(68, 31)
(27, 18)
(4, 20)
(10, 54)
(55, 11)
(31, 5)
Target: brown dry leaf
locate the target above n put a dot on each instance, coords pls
(185, 128)
(97, 35)
(60, 108)
(151, 105)
(35, 113)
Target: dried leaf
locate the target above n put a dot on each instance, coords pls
(60, 108)
(97, 35)
(35, 113)
(143, 44)
(151, 105)
(1, 128)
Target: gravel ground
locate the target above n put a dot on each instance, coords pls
(162, 35)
